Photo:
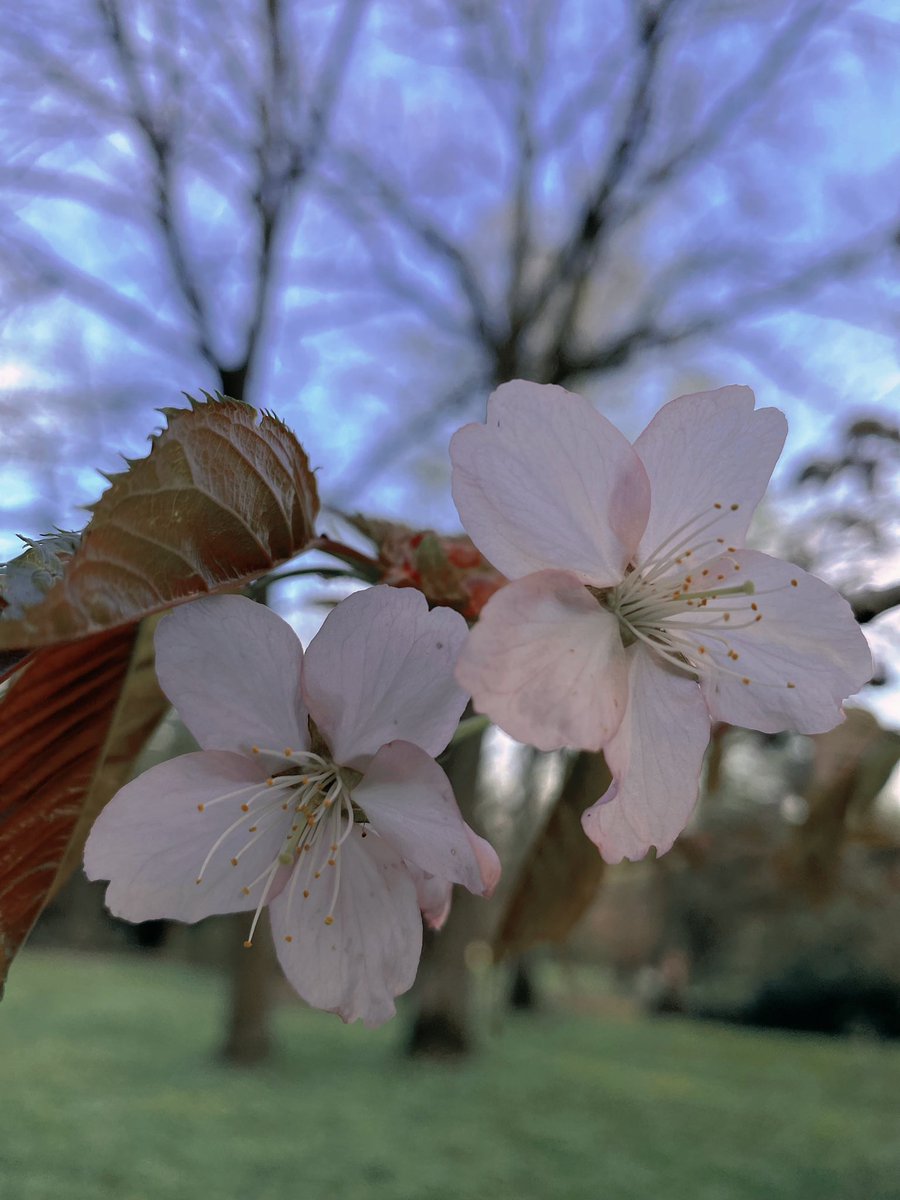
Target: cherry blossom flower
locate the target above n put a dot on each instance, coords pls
(636, 614)
(315, 791)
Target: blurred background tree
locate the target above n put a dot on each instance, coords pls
(376, 211)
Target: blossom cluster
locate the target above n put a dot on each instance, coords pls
(633, 617)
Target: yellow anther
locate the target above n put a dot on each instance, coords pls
(248, 944)
(270, 782)
(735, 507)
(234, 862)
(287, 752)
(329, 920)
(306, 893)
(288, 937)
(201, 807)
(792, 685)
(745, 680)
(254, 749)
(245, 808)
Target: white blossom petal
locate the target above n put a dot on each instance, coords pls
(708, 449)
(796, 642)
(409, 801)
(655, 760)
(369, 953)
(545, 662)
(488, 863)
(549, 483)
(232, 669)
(381, 669)
(435, 896)
(153, 837)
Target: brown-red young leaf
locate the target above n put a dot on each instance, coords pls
(141, 706)
(56, 716)
(223, 496)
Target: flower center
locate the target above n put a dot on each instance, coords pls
(682, 600)
(309, 797)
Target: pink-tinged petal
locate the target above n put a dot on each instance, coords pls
(709, 449)
(546, 663)
(488, 863)
(409, 801)
(655, 760)
(369, 954)
(434, 895)
(381, 668)
(152, 839)
(232, 669)
(549, 482)
(794, 630)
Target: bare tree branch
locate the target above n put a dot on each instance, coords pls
(278, 182)
(575, 258)
(394, 201)
(747, 93)
(42, 263)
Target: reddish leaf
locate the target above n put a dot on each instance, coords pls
(449, 570)
(562, 870)
(141, 706)
(56, 714)
(223, 496)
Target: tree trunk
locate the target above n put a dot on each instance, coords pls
(248, 1036)
(523, 994)
(441, 1026)
(251, 977)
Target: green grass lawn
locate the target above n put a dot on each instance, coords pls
(109, 1091)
